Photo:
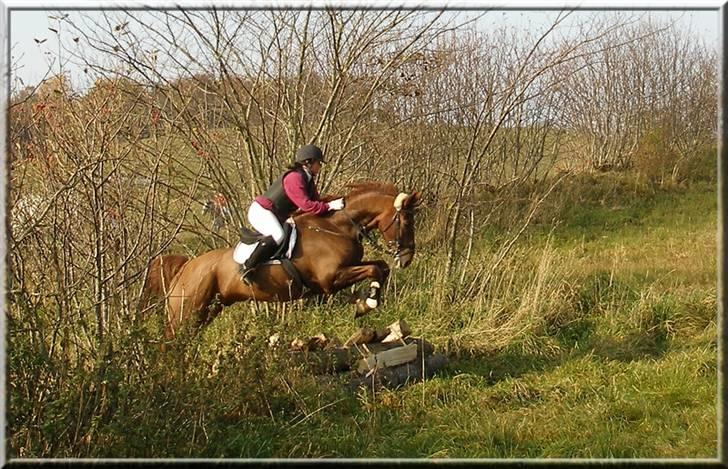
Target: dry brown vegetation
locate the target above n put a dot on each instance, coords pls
(187, 104)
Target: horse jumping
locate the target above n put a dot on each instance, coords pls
(328, 255)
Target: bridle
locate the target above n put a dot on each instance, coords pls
(393, 246)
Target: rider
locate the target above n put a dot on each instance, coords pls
(295, 188)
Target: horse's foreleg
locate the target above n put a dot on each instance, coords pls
(377, 271)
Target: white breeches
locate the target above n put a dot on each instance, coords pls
(265, 222)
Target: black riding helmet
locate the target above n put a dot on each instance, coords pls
(309, 153)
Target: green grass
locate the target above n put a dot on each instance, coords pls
(596, 339)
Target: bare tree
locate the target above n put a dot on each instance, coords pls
(640, 82)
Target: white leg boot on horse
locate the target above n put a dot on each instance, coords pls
(368, 300)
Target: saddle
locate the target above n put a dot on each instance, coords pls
(251, 237)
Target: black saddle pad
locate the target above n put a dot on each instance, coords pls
(248, 236)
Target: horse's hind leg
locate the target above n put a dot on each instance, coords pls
(209, 313)
(192, 312)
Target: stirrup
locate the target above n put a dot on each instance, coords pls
(246, 273)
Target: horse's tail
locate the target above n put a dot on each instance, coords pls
(160, 272)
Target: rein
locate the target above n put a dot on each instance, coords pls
(363, 234)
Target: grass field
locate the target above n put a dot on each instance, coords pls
(599, 342)
(595, 338)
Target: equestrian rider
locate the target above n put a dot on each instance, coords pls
(295, 188)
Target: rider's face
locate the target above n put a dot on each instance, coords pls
(314, 167)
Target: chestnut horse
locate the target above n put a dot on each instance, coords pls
(328, 255)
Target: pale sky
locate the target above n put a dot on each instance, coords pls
(32, 60)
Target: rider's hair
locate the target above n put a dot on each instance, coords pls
(296, 165)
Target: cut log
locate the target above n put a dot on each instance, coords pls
(363, 336)
(325, 361)
(274, 339)
(317, 342)
(388, 358)
(364, 350)
(298, 344)
(401, 375)
(394, 332)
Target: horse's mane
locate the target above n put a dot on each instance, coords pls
(361, 189)
(364, 187)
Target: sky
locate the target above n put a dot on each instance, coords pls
(31, 61)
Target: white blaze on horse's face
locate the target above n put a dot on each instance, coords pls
(399, 200)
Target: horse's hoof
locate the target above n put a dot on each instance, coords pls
(361, 308)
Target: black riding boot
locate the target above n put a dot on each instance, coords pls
(266, 247)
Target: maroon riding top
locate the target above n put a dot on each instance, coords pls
(295, 187)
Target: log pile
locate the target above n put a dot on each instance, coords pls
(387, 357)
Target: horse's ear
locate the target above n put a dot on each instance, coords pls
(413, 200)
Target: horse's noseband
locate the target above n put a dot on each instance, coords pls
(396, 242)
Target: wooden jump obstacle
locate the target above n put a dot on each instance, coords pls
(387, 357)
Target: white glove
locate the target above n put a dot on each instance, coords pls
(337, 204)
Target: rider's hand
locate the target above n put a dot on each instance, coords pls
(337, 204)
